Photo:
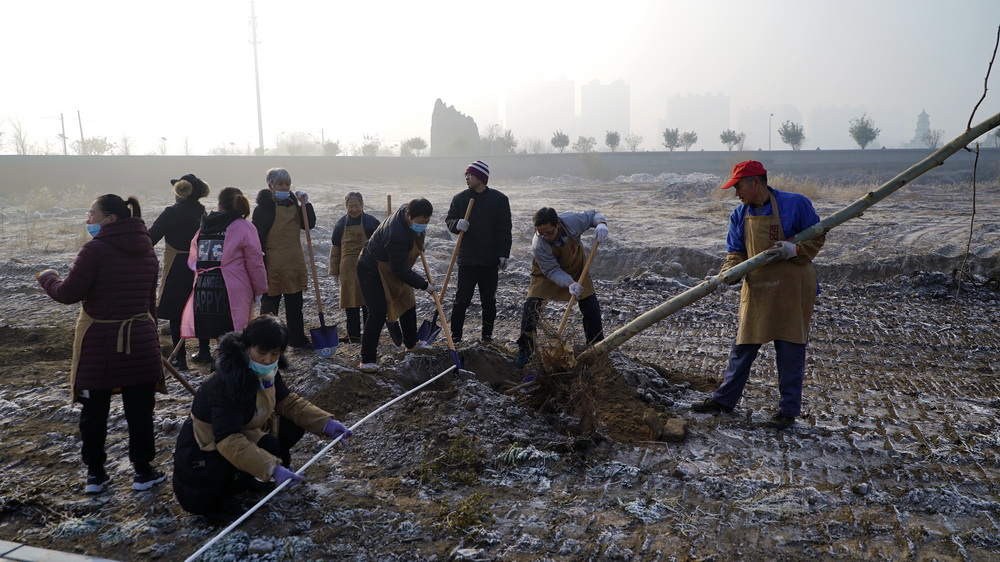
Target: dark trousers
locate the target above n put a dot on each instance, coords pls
(138, 402)
(790, 359)
(593, 328)
(469, 276)
(293, 315)
(203, 479)
(356, 316)
(371, 287)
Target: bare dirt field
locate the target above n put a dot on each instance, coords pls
(894, 458)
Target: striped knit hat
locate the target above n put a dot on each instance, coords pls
(480, 170)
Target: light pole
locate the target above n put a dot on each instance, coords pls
(769, 132)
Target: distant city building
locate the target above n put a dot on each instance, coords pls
(603, 108)
(705, 114)
(539, 109)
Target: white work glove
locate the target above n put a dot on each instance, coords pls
(336, 279)
(575, 289)
(431, 289)
(462, 225)
(302, 196)
(503, 263)
(782, 250)
(602, 232)
(45, 272)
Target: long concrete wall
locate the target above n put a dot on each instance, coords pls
(143, 174)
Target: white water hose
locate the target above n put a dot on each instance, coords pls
(274, 492)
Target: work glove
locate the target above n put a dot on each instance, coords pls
(575, 289)
(334, 429)
(302, 196)
(431, 289)
(281, 474)
(462, 225)
(602, 232)
(45, 272)
(503, 263)
(782, 250)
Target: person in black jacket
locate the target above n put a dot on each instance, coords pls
(485, 247)
(244, 421)
(387, 278)
(177, 225)
(278, 218)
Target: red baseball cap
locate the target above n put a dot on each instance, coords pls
(747, 169)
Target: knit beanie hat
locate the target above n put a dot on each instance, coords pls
(354, 195)
(480, 170)
(190, 187)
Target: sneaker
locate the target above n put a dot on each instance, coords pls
(96, 483)
(202, 357)
(710, 406)
(146, 480)
(421, 345)
(302, 346)
(368, 367)
(779, 421)
(179, 363)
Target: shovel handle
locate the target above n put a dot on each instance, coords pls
(458, 244)
(312, 259)
(437, 302)
(583, 275)
(178, 376)
(388, 206)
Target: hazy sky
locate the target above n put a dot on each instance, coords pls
(184, 69)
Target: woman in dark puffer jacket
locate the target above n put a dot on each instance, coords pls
(116, 348)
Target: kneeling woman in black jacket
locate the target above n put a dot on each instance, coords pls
(244, 421)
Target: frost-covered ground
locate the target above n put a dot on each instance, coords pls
(895, 456)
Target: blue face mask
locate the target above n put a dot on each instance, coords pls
(418, 228)
(94, 228)
(265, 372)
(282, 195)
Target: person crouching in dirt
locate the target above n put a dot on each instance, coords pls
(558, 260)
(176, 225)
(278, 218)
(777, 300)
(244, 421)
(116, 348)
(349, 236)
(229, 270)
(387, 278)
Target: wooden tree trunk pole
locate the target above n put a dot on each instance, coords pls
(855, 209)
(437, 303)
(454, 253)
(572, 299)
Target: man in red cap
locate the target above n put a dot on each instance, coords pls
(777, 300)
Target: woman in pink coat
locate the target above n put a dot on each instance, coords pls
(229, 270)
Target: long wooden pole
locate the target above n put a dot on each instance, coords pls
(312, 261)
(437, 302)
(583, 275)
(695, 293)
(454, 253)
(177, 375)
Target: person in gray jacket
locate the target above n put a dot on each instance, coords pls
(556, 267)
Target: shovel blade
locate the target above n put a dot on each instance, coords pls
(324, 340)
(428, 332)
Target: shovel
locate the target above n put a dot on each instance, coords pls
(324, 338)
(395, 332)
(429, 331)
(572, 299)
(437, 302)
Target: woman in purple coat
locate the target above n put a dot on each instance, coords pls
(116, 348)
(229, 270)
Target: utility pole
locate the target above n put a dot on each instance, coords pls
(83, 143)
(63, 135)
(256, 78)
(769, 132)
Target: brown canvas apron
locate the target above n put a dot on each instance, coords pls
(351, 242)
(398, 295)
(169, 255)
(777, 299)
(83, 323)
(283, 257)
(571, 259)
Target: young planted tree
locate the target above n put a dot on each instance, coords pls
(415, 145)
(611, 140)
(560, 141)
(584, 144)
(863, 130)
(731, 138)
(792, 134)
(688, 140)
(633, 141)
(932, 138)
(671, 139)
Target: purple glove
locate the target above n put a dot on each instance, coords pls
(281, 474)
(334, 429)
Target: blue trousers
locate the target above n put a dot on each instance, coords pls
(791, 363)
